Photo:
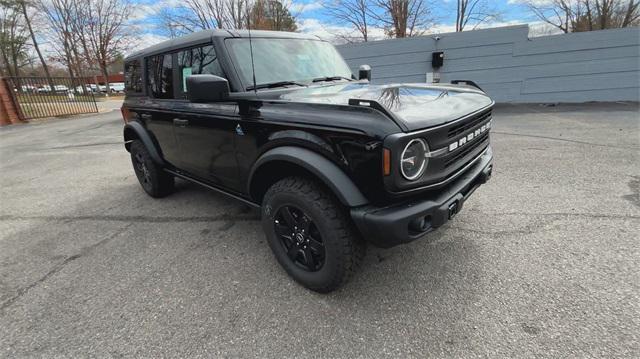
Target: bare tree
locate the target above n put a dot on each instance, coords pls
(23, 6)
(403, 18)
(631, 14)
(612, 13)
(203, 14)
(196, 15)
(107, 32)
(81, 22)
(473, 13)
(238, 13)
(354, 13)
(60, 16)
(88, 35)
(586, 15)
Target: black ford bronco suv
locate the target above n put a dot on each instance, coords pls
(278, 121)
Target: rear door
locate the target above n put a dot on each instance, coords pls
(205, 132)
(157, 107)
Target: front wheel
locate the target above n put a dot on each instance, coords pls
(310, 234)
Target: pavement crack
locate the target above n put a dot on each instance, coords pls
(528, 229)
(58, 267)
(22, 291)
(496, 233)
(563, 140)
(547, 219)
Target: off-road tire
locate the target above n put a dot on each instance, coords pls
(343, 248)
(156, 182)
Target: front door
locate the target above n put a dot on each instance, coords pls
(206, 138)
(205, 133)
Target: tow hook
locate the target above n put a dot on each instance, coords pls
(453, 209)
(486, 174)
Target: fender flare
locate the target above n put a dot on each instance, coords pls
(143, 135)
(321, 167)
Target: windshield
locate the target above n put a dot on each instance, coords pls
(290, 60)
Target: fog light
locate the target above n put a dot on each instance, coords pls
(416, 224)
(420, 224)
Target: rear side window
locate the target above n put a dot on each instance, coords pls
(133, 76)
(195, 61)
(160, 76)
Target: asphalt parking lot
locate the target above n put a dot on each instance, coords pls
(543, 260)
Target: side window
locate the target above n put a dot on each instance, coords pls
(133, 76)
(160, 76)
(195, 61)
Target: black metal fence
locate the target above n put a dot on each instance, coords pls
(37, 97)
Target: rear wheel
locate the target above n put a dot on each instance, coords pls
(154, 181)
(310, 234)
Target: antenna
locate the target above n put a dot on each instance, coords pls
(253, 67)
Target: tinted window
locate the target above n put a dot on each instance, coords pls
(133, 76)
(160, 76)
(197, 60)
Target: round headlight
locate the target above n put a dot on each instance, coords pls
(413, 160)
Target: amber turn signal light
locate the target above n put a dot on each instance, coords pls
(386, 161)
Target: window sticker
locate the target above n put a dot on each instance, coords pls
(186, 72)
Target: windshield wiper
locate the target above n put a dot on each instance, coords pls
(330, 78)
(275, 84)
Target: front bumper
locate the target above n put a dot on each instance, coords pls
(407, 221)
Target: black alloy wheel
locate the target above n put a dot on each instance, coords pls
(300, 238)
(153, 179)
(142, 172)
(311, 234)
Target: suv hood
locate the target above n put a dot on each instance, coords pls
(413, 106)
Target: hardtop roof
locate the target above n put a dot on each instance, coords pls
(202, 36)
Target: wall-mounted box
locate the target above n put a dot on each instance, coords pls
(437, 59)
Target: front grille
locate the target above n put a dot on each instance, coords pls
(448, 159)
(467, 149)
(465, 126)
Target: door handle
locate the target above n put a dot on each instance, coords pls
(145, 116)
(180, 122)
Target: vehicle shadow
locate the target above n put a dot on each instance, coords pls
(432, 266)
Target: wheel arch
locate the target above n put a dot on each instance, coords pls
(135, 131)
(285, 161)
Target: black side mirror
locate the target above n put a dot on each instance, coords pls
(207, 88)
(364, 73)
